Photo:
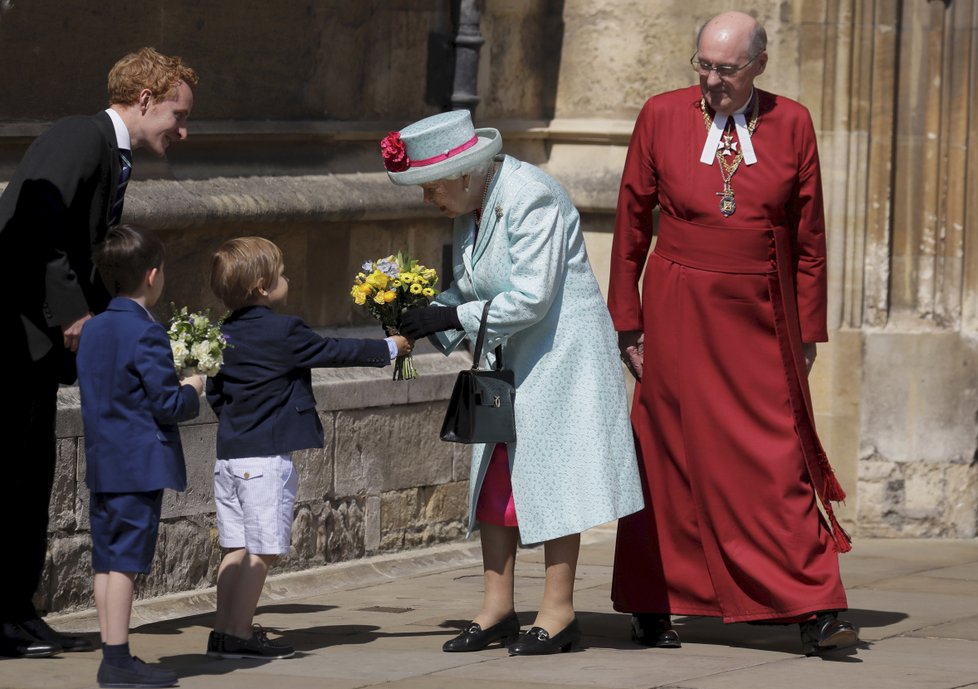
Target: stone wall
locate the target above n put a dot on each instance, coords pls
(383, 482)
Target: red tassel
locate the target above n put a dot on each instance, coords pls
(831, 488)
(842, 540)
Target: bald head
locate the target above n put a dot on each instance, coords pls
(730, 54)
(738, 30)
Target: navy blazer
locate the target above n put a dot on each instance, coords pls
(54, 210)
(131, 403)
(263, 393)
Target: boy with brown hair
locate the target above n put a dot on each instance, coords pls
(264, 402)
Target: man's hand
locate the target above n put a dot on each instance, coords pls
(72, 334)
(810, 353)
(631, 344)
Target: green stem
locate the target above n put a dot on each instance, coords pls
(404, 368)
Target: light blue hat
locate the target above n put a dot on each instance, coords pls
(437, 147)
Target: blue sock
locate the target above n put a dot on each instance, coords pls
(116, 655)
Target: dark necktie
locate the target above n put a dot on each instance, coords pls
(125, 171)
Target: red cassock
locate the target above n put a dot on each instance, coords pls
(733, 469)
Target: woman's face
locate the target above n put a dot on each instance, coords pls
(450, 196)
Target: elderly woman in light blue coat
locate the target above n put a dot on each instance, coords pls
(518, 242)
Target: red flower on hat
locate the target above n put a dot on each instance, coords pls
(392, 148)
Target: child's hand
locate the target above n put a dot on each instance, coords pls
(404, 345)
(196, 380)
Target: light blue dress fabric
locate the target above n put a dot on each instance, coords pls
(573, 464)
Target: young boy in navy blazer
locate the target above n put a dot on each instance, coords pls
(266, 410)
(131, 402)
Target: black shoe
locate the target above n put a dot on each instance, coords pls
(17, 642)
(257, 646)
(537, 641)
(654, 630)
(826, 632)
(475, 638)
(40, 629)
(214, 640)
(137, 674)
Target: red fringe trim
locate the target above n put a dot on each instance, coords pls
(832, 488)
(843, 542)
(832, 492)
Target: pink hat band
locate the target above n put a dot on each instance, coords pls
(447, 154)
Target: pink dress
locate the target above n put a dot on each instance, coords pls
(496, 497)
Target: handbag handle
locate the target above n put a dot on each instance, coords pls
(480, 340)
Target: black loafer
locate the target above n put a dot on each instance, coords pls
(475, 638)
(17, 642)
(136, 675)
(654, 631)
(537, 641)
(40, 629)
(826, 632)
(215, 640)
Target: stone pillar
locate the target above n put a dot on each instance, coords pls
(918, 473)
(468, 41)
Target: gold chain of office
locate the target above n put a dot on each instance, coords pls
(727, 168)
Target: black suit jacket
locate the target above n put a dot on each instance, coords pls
(54, 210)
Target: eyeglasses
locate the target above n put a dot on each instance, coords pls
(723, 71)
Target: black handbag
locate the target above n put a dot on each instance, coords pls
(481, 407)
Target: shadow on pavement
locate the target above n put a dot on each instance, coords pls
(613, 630)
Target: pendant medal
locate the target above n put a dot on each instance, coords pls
(727, 147)
(727, 203)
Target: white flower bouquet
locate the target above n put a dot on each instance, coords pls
(196, 342)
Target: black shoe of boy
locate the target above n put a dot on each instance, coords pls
(136, 674)
(214, 640)
(257, 646)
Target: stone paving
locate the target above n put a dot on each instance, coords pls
(380, 622)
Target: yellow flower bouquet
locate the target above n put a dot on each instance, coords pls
(387, 288)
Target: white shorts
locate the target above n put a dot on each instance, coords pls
(255, 497)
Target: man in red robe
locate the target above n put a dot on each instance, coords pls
(738, 521)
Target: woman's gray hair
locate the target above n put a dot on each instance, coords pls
(479, 171)
(755, 46)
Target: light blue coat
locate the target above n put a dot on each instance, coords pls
(573, 465)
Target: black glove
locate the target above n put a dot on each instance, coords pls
(418, 323)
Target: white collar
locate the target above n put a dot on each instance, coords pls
(121, 131)
(717, 128)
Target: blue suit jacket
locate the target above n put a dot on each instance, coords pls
(263, 392)
(131, 402)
